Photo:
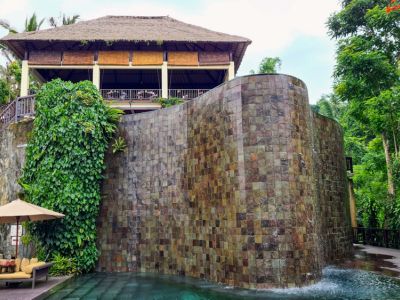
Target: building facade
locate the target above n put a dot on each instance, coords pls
(132, 60)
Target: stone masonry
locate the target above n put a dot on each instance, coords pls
(243, 186)
(12, 158)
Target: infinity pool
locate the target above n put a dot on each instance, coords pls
(336, 284)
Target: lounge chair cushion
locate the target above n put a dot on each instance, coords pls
(15, 275)
(33, 260)
(29, 268)
(17, 265)
(24, 262)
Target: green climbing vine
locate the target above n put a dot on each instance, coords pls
(63, 168)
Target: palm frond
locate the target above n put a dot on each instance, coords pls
(70, 20)
(6, 25)
(53, 22)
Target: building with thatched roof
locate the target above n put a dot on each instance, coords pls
(132, 60)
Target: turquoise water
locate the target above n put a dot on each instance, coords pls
(335, 284)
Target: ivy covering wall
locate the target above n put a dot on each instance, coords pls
(64, 164)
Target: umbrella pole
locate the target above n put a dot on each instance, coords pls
(16, 246)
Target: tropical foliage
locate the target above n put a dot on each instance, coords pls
(168, 102)
(63, 20)
(10, 73)
(268, 65)
(367, 80)
(63, 169)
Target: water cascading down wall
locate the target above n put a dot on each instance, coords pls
(243, 186)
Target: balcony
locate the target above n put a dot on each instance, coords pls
(129, 100)
(148, 95)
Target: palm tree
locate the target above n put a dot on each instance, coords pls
(3, 49)
(11, 72)
(65, 20)
(32, 23)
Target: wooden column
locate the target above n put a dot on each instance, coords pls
(164, 80)
(24, 79)
(96, 75)
(231, 71)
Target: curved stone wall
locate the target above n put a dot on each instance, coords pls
(242, 186)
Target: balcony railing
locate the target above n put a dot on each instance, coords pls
(149, 94)
(186, 94)
(130, 94)
(25, 106)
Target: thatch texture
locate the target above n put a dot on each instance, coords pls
(128, 33)
(113, 58)
(183, 58)
(129, 28)
(141, 58)
(78, 58)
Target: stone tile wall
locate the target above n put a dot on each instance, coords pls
(230, 187)
(243, 186)
(331, 189)
(12, 158)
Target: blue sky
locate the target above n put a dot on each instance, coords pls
(294, 30)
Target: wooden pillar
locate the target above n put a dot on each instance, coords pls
(353, 210)
(231, 71)
(164, 80)
(96, 76)
(24, 78)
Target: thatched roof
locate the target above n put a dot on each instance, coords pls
(128, 28)
(125, 30)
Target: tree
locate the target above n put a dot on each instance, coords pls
(4, 92)
(31, 24)
(329, 106)
(367, 68)
(11, 75)
(63, 19)
(268, 65)
(11, 72)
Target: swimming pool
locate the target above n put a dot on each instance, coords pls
(336, 284)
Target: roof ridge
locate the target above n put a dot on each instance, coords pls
(135, 17)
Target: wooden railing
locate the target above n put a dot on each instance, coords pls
(387, 238)
(16, 110)
(186, 94)
(130, 94)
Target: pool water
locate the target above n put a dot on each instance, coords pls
(336, 284)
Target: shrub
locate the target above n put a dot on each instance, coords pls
(168, 102)
(119, 145)
(63, 167)
(63, 265)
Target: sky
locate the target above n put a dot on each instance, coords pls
(294, 30)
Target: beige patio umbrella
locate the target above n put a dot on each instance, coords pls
(20, 211)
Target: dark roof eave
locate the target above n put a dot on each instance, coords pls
(238, 60)
(9, 45)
